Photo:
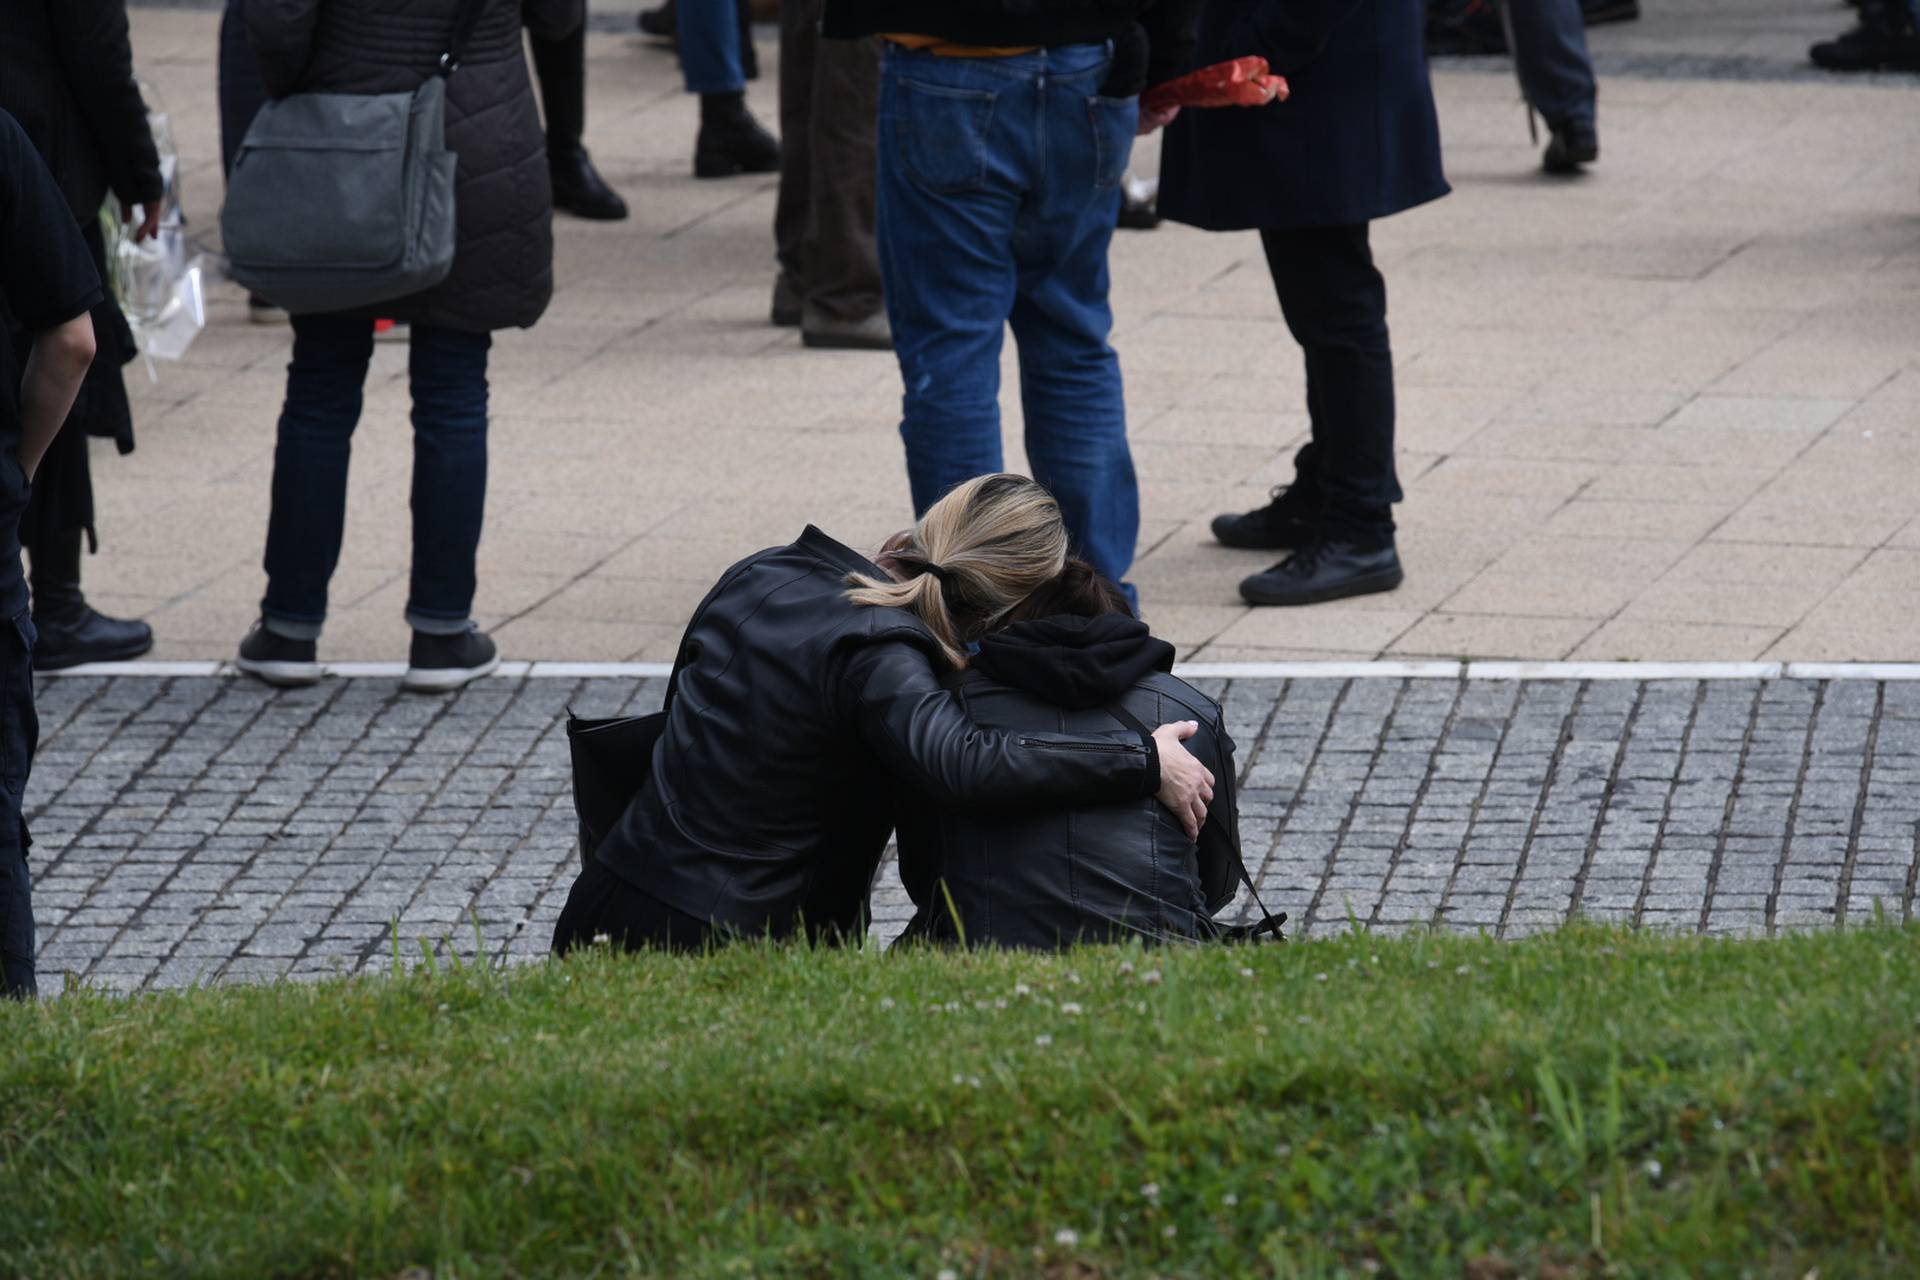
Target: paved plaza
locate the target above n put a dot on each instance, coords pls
(206, 829)
(1668, 410)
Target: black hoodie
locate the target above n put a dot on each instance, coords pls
(1047, 878)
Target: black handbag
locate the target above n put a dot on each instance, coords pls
(612, 760)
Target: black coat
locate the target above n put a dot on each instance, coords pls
(66, 73)
(1357, 140)
(794, 717)
(502, 273)
(1052, 877)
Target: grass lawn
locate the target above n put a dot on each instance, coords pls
(1584, 1104)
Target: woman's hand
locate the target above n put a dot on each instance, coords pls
(1151, 120)
(1186, 785)
(149, 225)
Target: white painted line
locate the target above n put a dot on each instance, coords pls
(1623, 670)
(1318, 670)
(138, 669)
(601, 670)
(1853, 670)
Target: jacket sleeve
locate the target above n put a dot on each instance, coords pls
(917, 728)
(1291, 34)
(91, 43)
(281, 32)
(553, 19)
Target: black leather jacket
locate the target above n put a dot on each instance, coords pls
(794, 718)
(1085, 872)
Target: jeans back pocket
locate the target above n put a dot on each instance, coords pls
(941, 135)
(1114, 122)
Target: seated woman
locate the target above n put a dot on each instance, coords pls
(1073, 659)
(807, 691)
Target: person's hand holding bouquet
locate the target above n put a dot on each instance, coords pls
(1243, 82)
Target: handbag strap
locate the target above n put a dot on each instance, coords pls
(465, 19)
(1268, 922)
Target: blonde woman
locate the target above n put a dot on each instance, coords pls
(808, 689)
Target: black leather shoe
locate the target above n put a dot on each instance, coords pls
(441, 664)
(1325, 571)
(579, 189)
(1884, 38)
(731, 141)
(789, 307)
(662, 23)
(1573, 144)
(1285, 524)
(269, 656)
(84, 634)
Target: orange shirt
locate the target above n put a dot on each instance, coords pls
(948, 49)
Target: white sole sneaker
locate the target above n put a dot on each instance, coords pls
(284, 675)
(446, 679)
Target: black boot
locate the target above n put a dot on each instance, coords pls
(71, 632)
(1573, 144)
(580, 190)
(1884, 38)
(662, 22)
(731, 141)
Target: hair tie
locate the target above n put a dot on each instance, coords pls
(938, 571)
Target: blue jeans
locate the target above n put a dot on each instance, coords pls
(447, 371)
(1549, 39)
(709, 38)
(999, 186)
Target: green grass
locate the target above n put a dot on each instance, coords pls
(1584, 1104)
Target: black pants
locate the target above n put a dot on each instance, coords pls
(823, 226)
(242, 91)
(19, 735)
(1335, 305)
(601, 904)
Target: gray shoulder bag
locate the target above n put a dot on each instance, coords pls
(343, 200)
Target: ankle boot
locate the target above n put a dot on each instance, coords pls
(579, 189)
(71, 630)
(731, 141)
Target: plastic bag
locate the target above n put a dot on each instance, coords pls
(1243, 82)
(160, 281)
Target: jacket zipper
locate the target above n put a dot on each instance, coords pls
(1123, 748)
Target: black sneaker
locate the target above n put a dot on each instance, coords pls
(1573, 144)
(269, 656)
(1285, 524)
(1884, 38)
(1325, 571)
(439, 664)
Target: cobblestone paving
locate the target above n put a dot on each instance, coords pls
(207, 829)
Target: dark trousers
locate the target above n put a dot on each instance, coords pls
(823, 226)
(242, 91)
(447, 370)
(1335, 305)
(1549, 39)
(19, 735)
(601, 904)
(562, 68)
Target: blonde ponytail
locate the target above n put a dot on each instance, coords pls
(976, 554)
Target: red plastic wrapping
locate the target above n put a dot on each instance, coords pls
(1244, 82)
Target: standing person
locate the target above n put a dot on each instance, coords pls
(48, 289)
(1357, 140)
(502, 277)
(829, 281)
(578, 188)
(713, 44)
(1004, 134)
(242, 94)
(1556, 74)
(66, 74)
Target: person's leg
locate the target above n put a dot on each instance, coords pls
(325, 381)
(1556, 73)
(602, 905)
(447, 371)
(19, 735)
(1070, 386)
(799, 46)
(1335, 305)
(843, 290)
(241, 89)
(953, 161)
(577, 186)
(731, 141)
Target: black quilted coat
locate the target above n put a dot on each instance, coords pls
(502, 271)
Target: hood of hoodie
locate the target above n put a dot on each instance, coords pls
(1072, 662)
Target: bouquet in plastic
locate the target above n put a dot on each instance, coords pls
(158, 280)
(1243, 82)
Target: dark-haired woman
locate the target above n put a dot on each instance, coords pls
(1073, 659)
(808, 693)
